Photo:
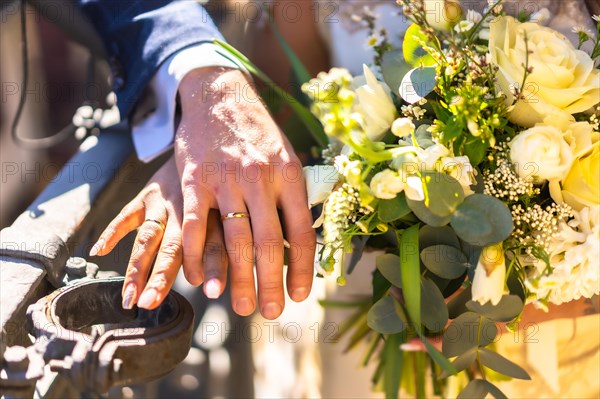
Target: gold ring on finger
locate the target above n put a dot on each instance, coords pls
(235, 215)
(158, 222)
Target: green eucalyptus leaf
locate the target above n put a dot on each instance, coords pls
(417, 84)
(430, 235)
(445, 196)
(467, 331)
(501, 364)
(393, 68)
(438, 357)
(411, 273)
(482, 220)
(479, 389)
(462, 362)
(380, 285)
(394, 209)
(382, 317)
(412, 47)
(444, 261)
(509, 307)
(389, 266)
(434, 312)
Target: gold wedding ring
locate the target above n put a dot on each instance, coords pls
(235, 215)
(158, 222)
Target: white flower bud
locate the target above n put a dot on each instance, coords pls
(403, 127)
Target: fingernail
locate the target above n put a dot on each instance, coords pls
(212, 288)
(299, 294)
(129, 296)
(271, 310)
(95, 249)
(195, 278)
(244, 307)
(147, 298)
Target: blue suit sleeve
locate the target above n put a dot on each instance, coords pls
(140, 34)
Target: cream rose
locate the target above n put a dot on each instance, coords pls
(563, 79)
(442, 14)
(374, 103)
(541, 153)
(581, 186)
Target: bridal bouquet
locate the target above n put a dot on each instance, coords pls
(472, 157)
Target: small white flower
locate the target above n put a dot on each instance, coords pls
(414, 188)
(464, 26)
(431, 155)
(488, 282)
(320, 181)
(580, 29)
(403, 127)
(474, 16)
(541, 17)
(387, 184)
(596, 18)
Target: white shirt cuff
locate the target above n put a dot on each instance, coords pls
(154, 134)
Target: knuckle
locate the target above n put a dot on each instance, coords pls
(133, 272)
(270, 287)
(145, 237)
(159, 281)
(171, 249)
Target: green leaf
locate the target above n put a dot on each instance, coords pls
(411, 273)
(482, 220)
(478, 389)
(392, 356)
(380, 285)
(382, 317)
(430, 235)
(445, 195)
(434, 312)
(438, 357)
(462, 362)
(501, 364)
(466, 332)
(358, 247)
(393, 69)
(509, 307)
(412, 47)
(394, 209)
(444, 261)
(389, 266)
(475, 150)
(417, 84)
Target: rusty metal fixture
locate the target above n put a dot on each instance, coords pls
(88, 338)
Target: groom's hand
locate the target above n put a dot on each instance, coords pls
(231, 156)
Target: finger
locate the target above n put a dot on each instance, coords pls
(167, 264)
(195, 212)
(215, 257)
(238, 241)
(145, 246)
(130, 218)
(268, 246)
(302, 238)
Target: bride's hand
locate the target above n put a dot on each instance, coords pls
(157, 214)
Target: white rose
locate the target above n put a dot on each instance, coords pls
(387, 184)
(442, 14)
(541, 153)
(374, 103)
(563, 79)
(488, 282)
